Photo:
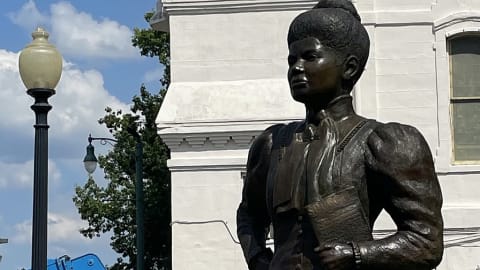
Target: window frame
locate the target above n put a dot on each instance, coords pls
(446, 26)
(457, 100)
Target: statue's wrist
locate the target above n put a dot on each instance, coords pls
(357, 256)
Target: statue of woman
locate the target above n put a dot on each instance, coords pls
(323, 182)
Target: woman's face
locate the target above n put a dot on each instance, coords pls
(314, 72)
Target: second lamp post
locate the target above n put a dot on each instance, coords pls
(90, 162)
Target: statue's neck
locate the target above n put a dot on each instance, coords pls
(336, 108)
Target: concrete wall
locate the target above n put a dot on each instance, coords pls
(229, 83)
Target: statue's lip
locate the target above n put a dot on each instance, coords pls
(298, 85)
(298, 81)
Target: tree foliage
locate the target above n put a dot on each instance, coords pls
(154, 44)
(111, 207)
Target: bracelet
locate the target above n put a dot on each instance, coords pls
(356, 255)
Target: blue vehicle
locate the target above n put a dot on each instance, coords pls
(85, 262)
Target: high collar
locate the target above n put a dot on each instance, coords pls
(339, 108)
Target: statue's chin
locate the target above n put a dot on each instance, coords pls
(311, 99)
(299, 94)
(300, 98)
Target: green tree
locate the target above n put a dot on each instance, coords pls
(111, 208)
(154, 44)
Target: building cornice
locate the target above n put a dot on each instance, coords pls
(167, 8)
(209, 141)
(213, 136)
(210, 164)
(184, 140)
(221, 6)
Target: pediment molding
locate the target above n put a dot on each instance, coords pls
(455, 18)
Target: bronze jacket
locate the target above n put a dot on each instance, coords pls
(391, 167)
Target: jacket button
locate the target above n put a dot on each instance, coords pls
(298, 267)
(300, 231)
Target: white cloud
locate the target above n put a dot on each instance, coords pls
(60, 229)
(15, 102)
(29, 16)
(63, 237)
(79, 34)
(20, 175)
(76, 33)
(80, 101)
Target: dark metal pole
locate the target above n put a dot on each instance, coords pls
(139, 203)
(40, 177)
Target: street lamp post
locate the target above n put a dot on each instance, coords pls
(3, 241)
(40, 66)
(139, 200)
(90, 163)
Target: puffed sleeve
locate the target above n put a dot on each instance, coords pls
(400, 160)
(252, 215)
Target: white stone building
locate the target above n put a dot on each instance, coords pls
(228, 60)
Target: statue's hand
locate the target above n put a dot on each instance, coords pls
(336, 256)
(260, 265)
(261, 261)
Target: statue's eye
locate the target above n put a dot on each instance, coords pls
(311, 56)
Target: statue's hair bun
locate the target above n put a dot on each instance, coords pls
(346, 5)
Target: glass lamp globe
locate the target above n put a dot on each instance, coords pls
(40, 63)
(90, 161)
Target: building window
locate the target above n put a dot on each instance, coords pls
(465, 97)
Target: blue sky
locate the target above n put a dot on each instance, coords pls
(101, 69)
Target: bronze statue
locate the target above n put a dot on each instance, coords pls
(322, 182)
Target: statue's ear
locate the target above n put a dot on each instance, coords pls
(351, 67)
